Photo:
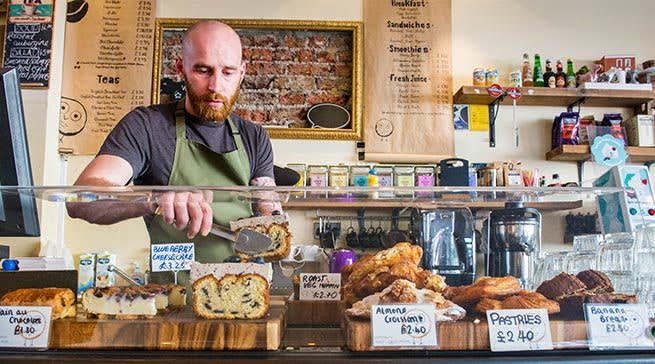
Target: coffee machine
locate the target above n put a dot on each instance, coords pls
(514, 242)
(447, 237)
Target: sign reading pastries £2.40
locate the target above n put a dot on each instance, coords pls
(519, 330)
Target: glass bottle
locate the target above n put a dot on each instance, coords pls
(526, 71)
(538, 76)
(570, 74)
(560, 76)
(549, 75)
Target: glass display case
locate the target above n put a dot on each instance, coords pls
(439, 272)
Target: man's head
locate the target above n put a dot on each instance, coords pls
(212, 68)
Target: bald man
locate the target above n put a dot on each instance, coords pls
(194, 142)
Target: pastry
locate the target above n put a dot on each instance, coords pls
(561, 285)
(487, 304)
(231, 297)
(62, 300)
(276, 227)
(167, 295)
(483, 287)
(596, 281)
(373, 273)
(126, 302)
(219, 270)
(527, 299)
(403, 291)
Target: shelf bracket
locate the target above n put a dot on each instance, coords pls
(577, 103)
(580, 171)
(495, 106)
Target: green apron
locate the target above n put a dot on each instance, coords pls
(197, 165)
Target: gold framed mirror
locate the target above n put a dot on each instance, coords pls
(291, 66)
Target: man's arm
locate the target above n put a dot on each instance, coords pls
(266, 202)
(104, 171)
(181, 209)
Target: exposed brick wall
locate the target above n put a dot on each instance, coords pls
(287, 72)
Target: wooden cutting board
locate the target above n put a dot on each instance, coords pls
(178, 329)
(467, 335)
(315, 313)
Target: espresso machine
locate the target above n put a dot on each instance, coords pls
(447, 237)
(514, 242)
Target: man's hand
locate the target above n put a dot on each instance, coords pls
(265, 202)
(187, 209)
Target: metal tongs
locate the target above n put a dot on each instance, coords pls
(245, 240)
(125, 276)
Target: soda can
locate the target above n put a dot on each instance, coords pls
(515, 79)
(491, 76)
(479, 77)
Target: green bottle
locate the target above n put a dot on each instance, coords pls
(570, 74)
(538, 75)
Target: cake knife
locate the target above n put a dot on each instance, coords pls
(245, 240)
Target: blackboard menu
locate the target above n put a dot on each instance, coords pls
(28, 42)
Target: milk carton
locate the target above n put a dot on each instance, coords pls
(86, 273)
(105, 278)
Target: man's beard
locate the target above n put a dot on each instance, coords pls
(204, 112)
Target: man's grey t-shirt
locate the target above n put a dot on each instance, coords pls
(145, 138)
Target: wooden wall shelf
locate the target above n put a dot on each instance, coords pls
(544, 96)
(580, 153)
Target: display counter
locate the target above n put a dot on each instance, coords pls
(444, 273)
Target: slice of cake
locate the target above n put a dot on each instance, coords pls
(219, 270)
(123, 302)
(276, 227)
(167, 295)
(231, 297)
(62, 300)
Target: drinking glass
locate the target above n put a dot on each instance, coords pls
(615, 258)
(587, 243)
(575, 262)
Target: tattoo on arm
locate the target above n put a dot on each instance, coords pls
(266, 201)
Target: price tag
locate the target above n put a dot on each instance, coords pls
(519, 330)
(403, 325)
(614, 326)
(320, 286)
(172, 257)
(25, 326)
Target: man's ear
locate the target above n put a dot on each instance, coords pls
(243, 70)
(179, 66)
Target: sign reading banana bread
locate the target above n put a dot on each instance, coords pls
(408, 81)
(108, 54)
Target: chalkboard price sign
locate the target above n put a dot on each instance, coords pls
(28, 48)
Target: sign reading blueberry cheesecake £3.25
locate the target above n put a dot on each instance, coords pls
(24, 327)
(320, 287)
(173, 257)
(519, 330)
(403, 326)
(619, 326)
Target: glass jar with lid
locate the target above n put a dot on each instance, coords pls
(318, 177)
(385, 179)
(338, 177)
(301, 169)
(425, 177)
(359, 176)
(404, 177)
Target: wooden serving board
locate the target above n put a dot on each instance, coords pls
(178, 329)
(467, 335)
(323, 313)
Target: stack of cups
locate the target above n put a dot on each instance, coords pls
(644, 260)
(615, 258)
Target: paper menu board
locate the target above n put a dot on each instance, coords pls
(108, 54)
(408, 81)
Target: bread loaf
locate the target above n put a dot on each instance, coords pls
(62, 300)
(561, 285)
(231, 297)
